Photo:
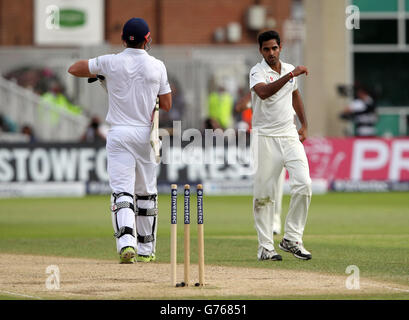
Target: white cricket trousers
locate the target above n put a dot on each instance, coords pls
(131, 169)
(278, 202)
(274, 153)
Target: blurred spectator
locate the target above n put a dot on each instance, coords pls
(220, 104)
(361, 112)
(6, 124)
(178, 106)
(40, 80)
(28, 131)
(44, 82)
(93, 132)
(243, 107)
(210, 123)
(237, 115)
(57, 98)
(3, 125)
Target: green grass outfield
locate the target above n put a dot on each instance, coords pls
(369, 230)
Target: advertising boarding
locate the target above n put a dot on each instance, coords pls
(336, 164)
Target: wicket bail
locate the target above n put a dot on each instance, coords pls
(173, 235)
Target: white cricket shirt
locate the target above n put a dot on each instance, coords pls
(134, 79)
(273, 116)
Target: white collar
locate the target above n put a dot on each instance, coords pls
(267, 68)
(135, 51)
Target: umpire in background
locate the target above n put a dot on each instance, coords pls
(134, 80)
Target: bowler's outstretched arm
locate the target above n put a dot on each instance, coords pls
(265, 90)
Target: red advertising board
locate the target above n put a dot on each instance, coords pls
(358, 159)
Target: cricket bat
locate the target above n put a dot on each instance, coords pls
(155, 141)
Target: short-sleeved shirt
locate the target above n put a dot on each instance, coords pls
(273, 116)
(134, 79)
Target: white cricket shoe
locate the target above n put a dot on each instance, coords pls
(269, 255)
(296, 248)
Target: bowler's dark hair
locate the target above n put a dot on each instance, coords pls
(268, 35)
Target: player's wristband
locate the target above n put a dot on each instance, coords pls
(291, 75)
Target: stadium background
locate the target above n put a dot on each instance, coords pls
(214, 47)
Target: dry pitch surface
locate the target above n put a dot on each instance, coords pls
(24, 276)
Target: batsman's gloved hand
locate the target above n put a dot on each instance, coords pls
(100, 77)
(101, 80)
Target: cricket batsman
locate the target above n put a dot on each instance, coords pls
(274, 98)
(134, 80)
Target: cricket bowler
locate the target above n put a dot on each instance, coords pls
(274, 98)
